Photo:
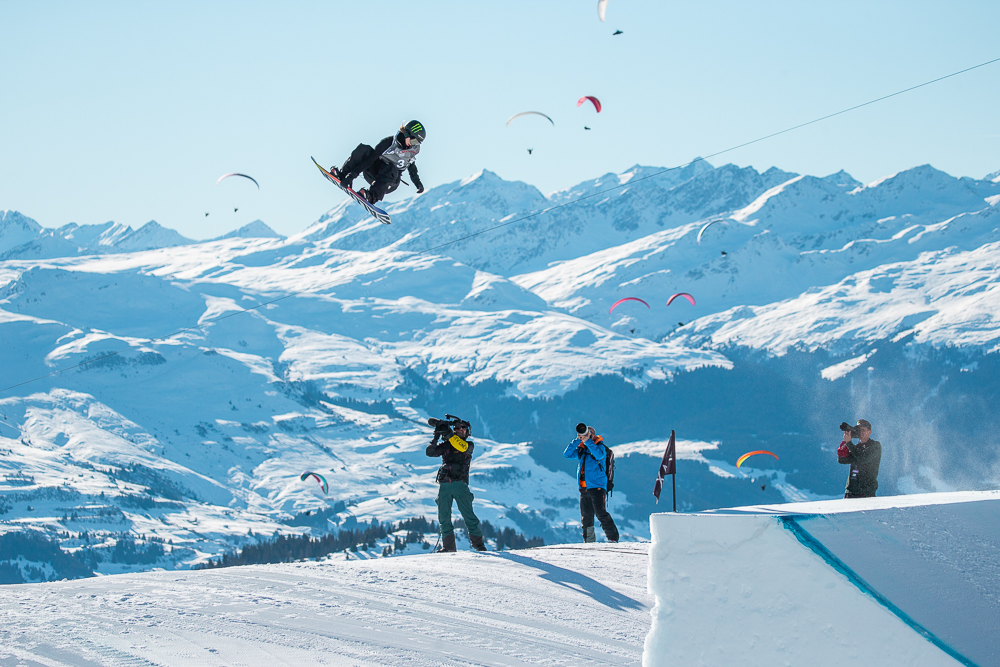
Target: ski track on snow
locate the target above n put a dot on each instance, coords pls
(580, 605)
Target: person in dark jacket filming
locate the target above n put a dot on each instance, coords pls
(451, 442)
(592, 478)
(864, 459)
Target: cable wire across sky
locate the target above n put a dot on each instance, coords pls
(528, 216)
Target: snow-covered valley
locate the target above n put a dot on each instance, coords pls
(195, 382)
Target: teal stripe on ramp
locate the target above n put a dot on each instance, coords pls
(802, 535)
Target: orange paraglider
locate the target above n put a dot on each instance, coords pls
(628, 298)
(743, 458)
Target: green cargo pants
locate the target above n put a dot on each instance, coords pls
(460, 493)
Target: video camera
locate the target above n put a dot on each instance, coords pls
(855, 431)
(450, 423)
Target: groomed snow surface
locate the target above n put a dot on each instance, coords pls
(560, 605)
(905, 580)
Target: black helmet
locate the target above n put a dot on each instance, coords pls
(414, 130)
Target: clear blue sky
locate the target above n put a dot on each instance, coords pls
(130, 111)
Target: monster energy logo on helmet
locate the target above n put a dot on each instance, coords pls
(414, 130)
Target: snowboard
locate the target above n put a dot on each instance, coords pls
(375, 211)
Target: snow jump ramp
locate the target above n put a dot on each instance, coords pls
(903, 580)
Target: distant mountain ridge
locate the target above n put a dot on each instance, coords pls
(23, 238)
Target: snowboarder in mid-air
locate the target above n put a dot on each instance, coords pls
(383, 165)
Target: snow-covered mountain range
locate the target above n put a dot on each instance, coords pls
(200, 379)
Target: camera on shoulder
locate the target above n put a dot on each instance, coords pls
(448, 424)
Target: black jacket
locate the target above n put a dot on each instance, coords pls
(374, 162)
(864, 459)
(455, 464)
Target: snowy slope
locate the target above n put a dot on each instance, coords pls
(945, 298)
(804, 233)
(216, 422)
(203, 378)
(905, 580)
(550, 606)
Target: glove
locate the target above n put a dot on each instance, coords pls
(843, 451)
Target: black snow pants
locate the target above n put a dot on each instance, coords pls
(382, 177)
(592, 501)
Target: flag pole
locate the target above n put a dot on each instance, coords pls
(674, 479)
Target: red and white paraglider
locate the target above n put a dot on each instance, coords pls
(593, 100)
(628, 298)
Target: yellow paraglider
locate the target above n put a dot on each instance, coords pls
(743, 458)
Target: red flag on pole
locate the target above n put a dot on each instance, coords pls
(668, 466)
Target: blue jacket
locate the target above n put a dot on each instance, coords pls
(590, 473)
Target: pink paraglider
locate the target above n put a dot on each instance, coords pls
(628, 298)
(596, 102)
(683, 294)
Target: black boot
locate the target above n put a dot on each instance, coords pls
(448, 544)
(589, 534)
(368, 195)
(477, 542)
(346, 180)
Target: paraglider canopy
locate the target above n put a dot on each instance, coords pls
(593, 100)
(235, 174)
(708, 224)
(529, 113)
(319, 478)
(628, 298)
(683, 294)
(743, 458)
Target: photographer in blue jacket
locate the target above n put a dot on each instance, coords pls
(589, 449)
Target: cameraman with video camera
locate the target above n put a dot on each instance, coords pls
(451, 443)
(864, 459)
